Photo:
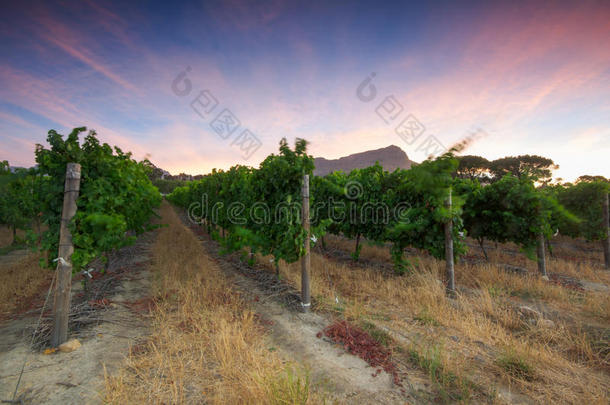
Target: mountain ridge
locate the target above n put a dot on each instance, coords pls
(391, 158)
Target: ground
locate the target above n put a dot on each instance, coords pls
(106, 330)
(175, 321)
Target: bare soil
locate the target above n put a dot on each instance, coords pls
(106, 330)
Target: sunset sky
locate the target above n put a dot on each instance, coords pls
(533, 77)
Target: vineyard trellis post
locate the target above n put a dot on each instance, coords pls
(606, 241)
(541, 255)
(306, 259)
(61, 304)
(449, 268)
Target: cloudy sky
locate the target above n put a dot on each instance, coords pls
(527, 77)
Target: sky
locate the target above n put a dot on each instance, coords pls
(198, 85)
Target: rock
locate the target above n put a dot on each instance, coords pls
(596, 287)
(545, 278)
(69, 346)
(516, 269)
(470, 292)
(528, 312)
(546, 323)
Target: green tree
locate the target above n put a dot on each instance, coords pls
(590, 179)
(4, 168)
(534, 167)
(18, 195)
(585, 200)
(166, 186)
(509, 210)
(423, 191)
(473, 167)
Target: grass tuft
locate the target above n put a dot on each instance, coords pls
(516, 365)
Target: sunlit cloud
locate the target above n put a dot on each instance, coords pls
(534, 78)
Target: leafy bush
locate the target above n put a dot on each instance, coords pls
(116, 198)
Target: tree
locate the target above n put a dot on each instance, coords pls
(473, 167)
(508, 210)
(365, 212)
(586, 200)
(4, 168)
(423, 192)
(18, 193)
(154, 173)
(166, 186)
(590, 179)
(535, 167)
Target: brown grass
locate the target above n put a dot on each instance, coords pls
(206, 345)
(474, 348)
(481, 334)
(21, 280)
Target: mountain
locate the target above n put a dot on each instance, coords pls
(391, 158)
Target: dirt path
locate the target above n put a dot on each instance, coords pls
(294, 335)
(106, 334)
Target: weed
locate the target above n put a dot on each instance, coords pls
(426, 318)
(451, 387)
(379, 335)
(516, 365)
(289, 387)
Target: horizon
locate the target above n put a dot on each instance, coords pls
(532, 79)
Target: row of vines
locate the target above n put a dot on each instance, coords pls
(116, 201)
(259, 208)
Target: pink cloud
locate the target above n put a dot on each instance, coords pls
(517, 61)
(66, 39)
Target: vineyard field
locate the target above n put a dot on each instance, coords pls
(214, 272)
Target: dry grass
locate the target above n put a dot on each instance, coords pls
(21, 279)
(491, 276)
(475, 348)
(207, 345)
(484, 339)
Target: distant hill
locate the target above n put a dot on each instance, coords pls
(391, 158)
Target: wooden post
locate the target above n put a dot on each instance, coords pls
(61, 305)
(540, 254)
(606, 242)
(449, 250)
(306, 259)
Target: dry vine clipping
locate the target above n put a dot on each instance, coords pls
(358, 342)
